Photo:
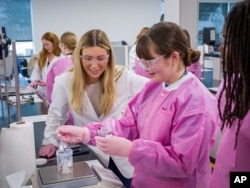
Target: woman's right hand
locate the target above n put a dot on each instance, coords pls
(33, 84)
(47, 150)
(73, 134)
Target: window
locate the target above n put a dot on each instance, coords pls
(23, 48)
(212, 15)
(15, 16)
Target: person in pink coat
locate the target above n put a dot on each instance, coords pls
(234, 98)
(195, 68)
(68, 42)
(169, 127)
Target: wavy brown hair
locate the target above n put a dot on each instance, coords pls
(53, 38)
(196, 57)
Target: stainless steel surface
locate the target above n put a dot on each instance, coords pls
(82, 176)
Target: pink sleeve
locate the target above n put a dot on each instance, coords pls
(195, 68)
(50, 81)
(124, 127)
(179, 159)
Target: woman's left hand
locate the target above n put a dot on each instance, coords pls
(41, 83)
(113, 145)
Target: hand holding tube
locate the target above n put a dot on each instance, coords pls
(73, 134)
(113, 145)
(41, 83)
(33, 84)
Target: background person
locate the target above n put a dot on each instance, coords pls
(68, 42)
(134, 63)
(167, 130)
(234, 97)
(48, 55)
(94, 90)
(218, 20)
(31, 63)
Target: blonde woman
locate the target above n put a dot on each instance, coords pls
(95, 89)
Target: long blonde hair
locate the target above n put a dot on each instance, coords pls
(107, 82)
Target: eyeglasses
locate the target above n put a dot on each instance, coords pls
(148, 63)
(90, 59)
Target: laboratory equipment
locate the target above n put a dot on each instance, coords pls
(82, 175)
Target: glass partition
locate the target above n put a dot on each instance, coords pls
(212, 15)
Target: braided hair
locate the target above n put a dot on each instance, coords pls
(236, 66)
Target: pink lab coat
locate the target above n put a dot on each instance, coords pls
(195, 68)
(173, 129)
(60, 66)
(229, 159)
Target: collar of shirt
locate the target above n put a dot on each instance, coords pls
(176, 84)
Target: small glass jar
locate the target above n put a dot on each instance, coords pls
(64, 161)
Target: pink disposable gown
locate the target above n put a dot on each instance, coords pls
(195, 68)
(229, 159)
(173, 129)
(60, 66)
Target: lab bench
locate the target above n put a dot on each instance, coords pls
(85, 157)
(39, 132)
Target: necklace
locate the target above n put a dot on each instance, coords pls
(183, 74)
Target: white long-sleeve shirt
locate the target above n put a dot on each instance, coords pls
(132, 56)
(38, 74)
